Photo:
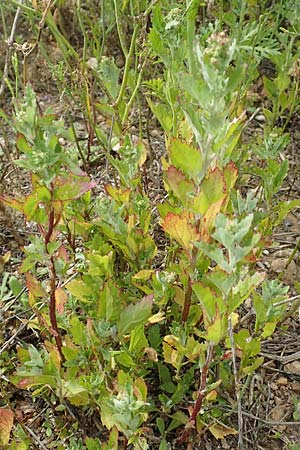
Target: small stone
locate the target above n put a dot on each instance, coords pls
(274, 386)
(278, 413)
(92, 63)
(293, 367)
(296, 386)
(278, 264)
(248, 303)
(283, 381)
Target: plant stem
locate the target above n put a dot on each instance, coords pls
(52, 308)
(190, 34)
(134, 93)
(201, 393)
(237, 385)
(120, 34)
(189, 291)
(127, 66)
(187, 302)
(9, 48)
(52, 275)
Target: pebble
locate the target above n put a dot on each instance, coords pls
(283, 381)
(296, 386)
(293, 367)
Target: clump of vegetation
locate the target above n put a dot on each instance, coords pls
(150, 339)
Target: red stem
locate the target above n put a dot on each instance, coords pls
(52, 309)
(52, 303)
(187, 302)
(50, 228)
(189, 291)
(201, 394)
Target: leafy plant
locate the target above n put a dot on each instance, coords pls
(109, 318)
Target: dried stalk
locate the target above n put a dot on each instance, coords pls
(10, 42)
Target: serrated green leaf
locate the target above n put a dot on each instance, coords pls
(186, 158)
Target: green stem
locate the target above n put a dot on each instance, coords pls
(120, 34)
(134, 93)
(189, 290)
(190, 34)
(127, 66)
(85, 40)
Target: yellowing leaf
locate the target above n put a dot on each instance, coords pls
(6, 423)
(234, 318)
(207, 221)
(230, 174)
(179, 295)
(140, 389)
(61, 298)
(219, 431)
(34, 286)
(15, 203)
(180, 228)
(212, 396)
(213, 189)
(171, 356)
(5, 258)
(120, 195)
(158, 317)
(151, 354)
(215, 329)
(143, 274)
(80, 290)
(72, 189)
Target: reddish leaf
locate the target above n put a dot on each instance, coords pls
(230, 174)
(180, 228)
(72, 189)
(34, 286)
(178, 183)
(63, 253)
(6, 423)
(61, 298)
(15, 203)
(212, 190)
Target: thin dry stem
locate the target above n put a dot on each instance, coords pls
(9, 47)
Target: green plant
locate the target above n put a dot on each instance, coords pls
(110, 320)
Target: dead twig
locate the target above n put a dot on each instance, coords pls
(282, 359)
(10, 42)
(37, 440)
